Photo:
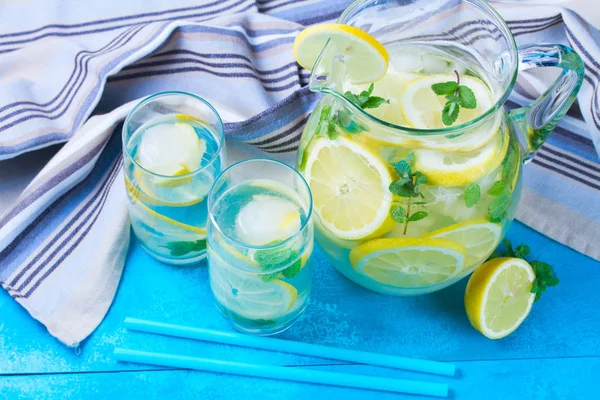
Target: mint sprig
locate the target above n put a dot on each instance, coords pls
(332, 117)
(407, 186)
(457, 95)
(182, 248)
(273, 259)
(364, 99)
(544, 274)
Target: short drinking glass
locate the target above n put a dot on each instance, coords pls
(260, 241)
(173, 149)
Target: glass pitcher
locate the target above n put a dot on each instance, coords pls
(404, 203)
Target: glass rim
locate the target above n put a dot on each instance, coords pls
(442, 131)
(305, 224)
(154, 96)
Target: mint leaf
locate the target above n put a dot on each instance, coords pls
(352, 97)
(544, 277)
(398, 214)
(403, 168)
(419, 215)
(457, 95)
(522, 251)
(466, 97)
(269, 277)
(421, 179)
(450, 113)
(364, 99)
(444, 88)
(403, 189)
(293, 270)
(332, 131)
(498, 206)
(410, 158)
(270, 259)
(472, 195)
(182, 248)
(374, 102)
(509, 249)
(497, 188)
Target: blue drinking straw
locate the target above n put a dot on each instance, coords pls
(284, 373)
(288, 346)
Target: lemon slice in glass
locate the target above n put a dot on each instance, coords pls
(479, 236)
(422, 108)
(247, 294)
(349, 184)
(408, 262)
(367, 58)
(498, 296)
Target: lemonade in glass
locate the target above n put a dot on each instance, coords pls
(260, 242)
(173, 147)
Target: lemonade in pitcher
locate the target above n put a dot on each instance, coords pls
(414, 166)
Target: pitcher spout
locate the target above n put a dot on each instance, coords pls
(328, 73)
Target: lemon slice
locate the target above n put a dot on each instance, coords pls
(460, 168)
(134, 197)
(479, 236)
(498, 296)
(422, 108)
(247, 294)
(349, 184)
(367, 58)
(408, 262)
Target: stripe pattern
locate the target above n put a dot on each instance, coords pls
(238, 55)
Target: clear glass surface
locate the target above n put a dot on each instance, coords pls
(260, 242)
(173, 149)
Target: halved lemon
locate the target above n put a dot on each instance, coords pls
(479, 236)
(498, 296)
(247, 294)
(408, 262)
(422, 108)
(460, 168)
(349, 185)
(367, 58)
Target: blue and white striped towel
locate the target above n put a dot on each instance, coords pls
(68, 76)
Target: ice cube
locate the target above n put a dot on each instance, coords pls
(436, 65)
(406, 61)
(267, 219)
(171, 149)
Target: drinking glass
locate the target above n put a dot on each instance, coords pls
(260, 241)
(173, 149)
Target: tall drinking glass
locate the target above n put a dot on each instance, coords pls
(260, 241)
(173, 149)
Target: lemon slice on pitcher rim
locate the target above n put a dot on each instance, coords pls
(367, 58)
(498, 296)
(349, 184)
(479, 236)
(408, 262)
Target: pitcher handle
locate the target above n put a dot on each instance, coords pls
(535, 121)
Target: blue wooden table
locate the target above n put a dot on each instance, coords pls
(554, 354)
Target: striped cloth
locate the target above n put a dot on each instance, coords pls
(70, 77)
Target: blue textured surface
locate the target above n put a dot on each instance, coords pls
(554, 354)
